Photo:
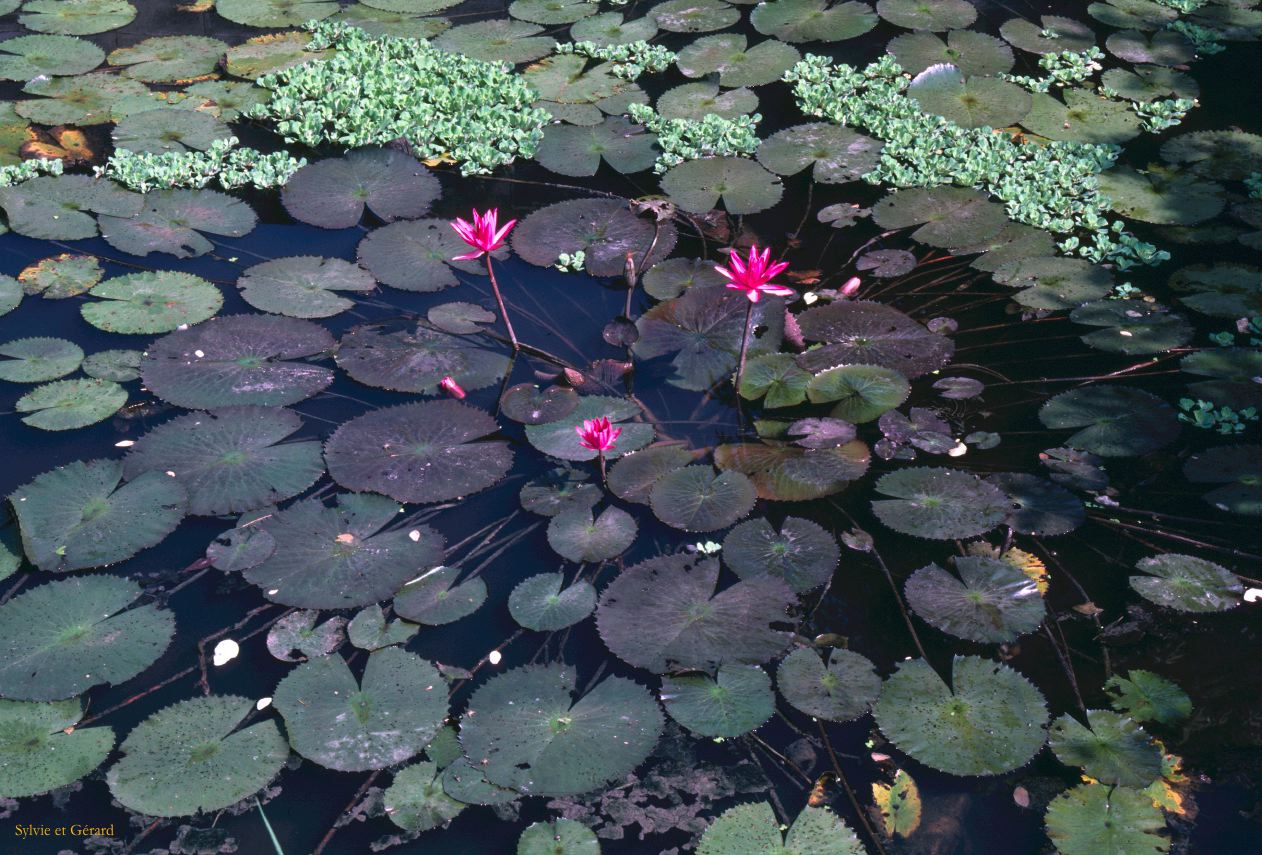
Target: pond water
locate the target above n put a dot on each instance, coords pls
(1007, 510)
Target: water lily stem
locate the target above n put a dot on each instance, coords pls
(740, 367)
(499, 298)
(604, 478)
(268, 826)
(845, 785)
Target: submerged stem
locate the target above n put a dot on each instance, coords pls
(499, 298)
(740, 367)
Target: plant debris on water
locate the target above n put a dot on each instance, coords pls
(581, 426)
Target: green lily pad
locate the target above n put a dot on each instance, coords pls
(1092, 818)
(737, 700)
(61, 276)
(665, 612)
(297, 631)
(695, 101)
(1223, 290)
(604, 229)
(434, 598)
(1115, 421)
(76, 17)
(933, 15)
(227, 98)
(975, 54)
(1140, 14)
(559, 490)
(497, 40)
(812, 20)
(274, 13)
(380, 22)
(191, 758)
(270, 53)
(560, 440)
(1113, 749)
(416, 801)
(386, 718)
(38, 360)
(694, 16)
(41, 749)
(838, 155)
(937, 503)
(776, 378)
(342, 556)
(303, 286)
(1132, 326)
(164, 130)
(528, 404)
(369, 630)
(576, 536)
(743, 186)
(10, 294)
(1238, 468)
(423, 452)
(577, 151)
(167, 59)
(861, 392)
(990, 720)
(1053, 282)
(611, 28)
(415, 255)
(947, 216)
(550, 12)
(232, 460)
(1157, 197)
(64, 637)
(991, 601)
(870, 334)
(70, 404)
(539, 603)
(60, 207)
(737, 64)
(83, 100)
(152, 302)
(1146, 696)
(1187, 584)
(1039, 507)
(841, 687)
(753, 829)
(1164, 47)
(527, 731)
(973, 102)
(632, 477)
(242, 547)
(418, 359)
(172, 221)
(1221, 155)
(1146, 83)
(238, 360)
(25, 57)
(333, 193)
(558, 837)
(1083, 116)
(694, 498)
(801, 553)
(790, 473)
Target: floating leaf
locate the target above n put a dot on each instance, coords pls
(939, 503)
(1039, 507)
(743, 186)
(1053, 282)
(242, 547)
(169, 59)
(274, 13)
(886, 263)
(501, 40)
(1115, 421)
(899, 804)
(632, 478)
(736, 63)
(559, 438)
(841, 687)
(1147, 83)
(776, 378)
(1083, 117)
(434, 598)
(270, 53)
(539, 603)
(573, 150)
(152, 302)
(611, 28)
(191, 757)
(167, 130)
(1222, 290)
(790, 473)
(368, 630)
(527, 404)
(558, 491)
(664, 612)
(25, 57)
(41, 749)
(1113, 749)
(1132, 326)
(697, 100)
(753, 828)
(694, 498)
(1221, 155)
(526, 730)
(737, 700)
(801, 553)
(1187, 584)
(1091, 818)
(924, 15)
(76, 17)
(239, 359)
(576, 536)
(10, 294)
(64, 637)
(37, 360)
(975, 54)
(416, 802)
(558, 837)
(342, 556)
(1141, 14)
(1238, 468)
(61, 276)
(861, 392)
(550, 11)
(694, 16)
(418, 359)
(950, 215)
(80, 101)
(416, 255)
(1164, 47)
(297, 630)
(973, 102)
(1157, 197)
(605, 229)
(303, 286)
(70, 404)
(56, 207)
(812, 20)
(839, 155)
(232, 460)
(171, 221)
(333, 193)
(991, 601)
(379, 22)
(990, 720)
(1146, 696)
(353, 726)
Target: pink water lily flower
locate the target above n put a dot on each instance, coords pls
(451, 387)
(753, 274)
(597, 434)
(484, 234)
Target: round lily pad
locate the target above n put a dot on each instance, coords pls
(231, 460)
(303, 286)
(559, 837)
(1141, 14)
(695, 101)
(415, 255)
(975, 54)
(632, 478)
(754, 828)
(559, 439)
(991, 601)
(605, 229)
(37, 360)
(333, 193)
(886, 263)
(1164, 47)
(1221, 155)
(1187, 584)
(576, 536)
(152, 302)
(611, 28)
(497, 40)
(418, 359)
(1132, 326)
(1053, 282)
(416, 801)
(434, 598)
(1112, 748)
(1238, 468)
(274, 13)
(1083, 116)
(943, 504)
(1040, 507)
(737, 64)
(386, 718)
(297, 631)
(988, 721)
(789, 473)
(166, 130)
(1092, 818)
(191, 757)
(380, 22)
(423, 452)
(83, 100)
(559, 490)
(1146, 696)
(1115, 421)
(694, 16)
(694, 498)
(242, 547)
(1223, 290)
(42, 750)
(550, 12)
(776, 378)
(168, 59)
(743, 186)
(172, 221)
(341, 556)
(577, 151)
(837, 154)
(972, 102)
(801, 553)
(78, 516)
(60, 207)
(76, 17)
(1146, 83)
(530, 405)
(64, 637)
(238, 360)
(539, 603)
(270, 53)
(10, 294)
(735, 701)
(665, 612)
(61, 276)
(527, 730)
(840, 687)
(70, 404)
(933, 15)
(871, 334)
(861, 392)
(812, 20)
(947, 216)
(1159, 197)
(25, 57)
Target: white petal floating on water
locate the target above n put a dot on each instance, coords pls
(225, 652)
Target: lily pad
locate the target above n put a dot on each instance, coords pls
(152, 302)
(1146, 83)
(434, 598)
(172, 221)
(497, 40)
(270, 53)
(539, 603)
(10, 294)
(1164, 47)
(416, 801)
(632, 477)
(1112, 748)
(990, 720)
(297, 631)
(415, 255)
(801, 553)
(973, 102)
(418, 359)
(605, 229)
(83, 100)
(612, 28)
(423, 452)
(303, 286)
(559, 490)
(694, 498)
(812, 20)
(1187, 584)
(743, 186)
(790, 473)
(60, 207)
(528, 730)
(1141, 14)
(861, 392)
(342, 556)
(947, 216)
(64, 637)
(975, 54)
(737, 700)
(1091, 818)
(665, 612)
(753, 829)
(168, 59)
(870, 334)
(1146, 696)
(1039, 507)
(1221, 155)
(937, 503)
(776, 378)
(369, 630)
(1222, 290)
(238, 360)
(70, 404)
(38, 360)
(694, 16)
(41, 749)
(559, 438)
(25, 57)
(167, 130)
(1238, 468)
(274, 13)
(76, 17)
(1115, 421)
(841, 687)
(386, 718)
(333, 193)
(737, 64)
(576, 536)
(577, 151)
(1158, 197)
(934, 15)
(991, 601)
(695, 101)
(1132, 326)
(61, 276)
(838, 155)
(528, 404)
(558, 837)
(1054, 282)
(1084, 116)
(191, 757)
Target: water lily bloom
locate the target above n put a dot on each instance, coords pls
(451, 387)
(753, 274)
(484, 234)
(597, 434)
